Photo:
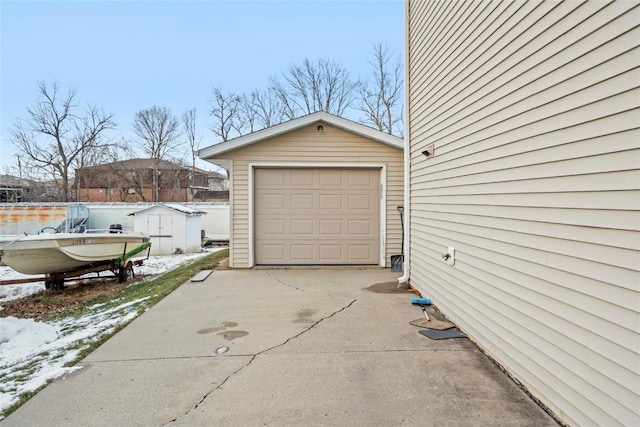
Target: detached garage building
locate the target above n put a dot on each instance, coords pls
(317, 190)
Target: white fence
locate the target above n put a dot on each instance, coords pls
(30, 218)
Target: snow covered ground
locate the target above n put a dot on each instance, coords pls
(32, 353)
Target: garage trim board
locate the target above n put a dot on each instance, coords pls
(381, 167)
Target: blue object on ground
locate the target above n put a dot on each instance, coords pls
(421, 301)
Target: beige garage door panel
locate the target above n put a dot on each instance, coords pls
(317, 216)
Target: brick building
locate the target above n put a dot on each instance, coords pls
(132, 181)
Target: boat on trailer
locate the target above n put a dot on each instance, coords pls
(61, 255)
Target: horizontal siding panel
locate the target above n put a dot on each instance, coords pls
(621, 200)
(495, 90)
(454, 72)
(564, 366)
(545, 121)
(562, 160)
(570, 176)
(593, 219)
(579, 89)
(564, 392)
(456, 76)
(541, 68)
(609, 134)
(479, 324)
(547, 319)
(569, 231)
(486, 26)
(508, 244)
(535, 110)
(588, 298)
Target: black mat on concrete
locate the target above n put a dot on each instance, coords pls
(435, 334)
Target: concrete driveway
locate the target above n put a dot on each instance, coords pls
(283, 347)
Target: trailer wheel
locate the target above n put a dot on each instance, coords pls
(124, 273)
(54, 285)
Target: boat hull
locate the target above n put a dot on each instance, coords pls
(62, 252)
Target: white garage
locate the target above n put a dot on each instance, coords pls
(317, 190)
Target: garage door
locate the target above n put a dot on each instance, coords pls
(317, 216)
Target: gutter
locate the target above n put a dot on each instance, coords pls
(407, 153)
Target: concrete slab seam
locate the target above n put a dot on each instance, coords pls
(255, 356)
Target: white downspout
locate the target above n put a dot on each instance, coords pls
(407, 152)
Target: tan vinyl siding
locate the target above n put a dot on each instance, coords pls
(332, 146)
(534, 111)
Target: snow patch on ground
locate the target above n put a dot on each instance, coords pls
(33, 353)
(153, 266)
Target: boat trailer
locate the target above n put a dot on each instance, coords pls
(122, 268)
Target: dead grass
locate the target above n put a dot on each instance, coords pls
(77, 295)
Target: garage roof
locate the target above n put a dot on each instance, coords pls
(320, 116)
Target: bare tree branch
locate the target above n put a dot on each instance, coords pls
(189, 123)
(269, 109)
(54, 139)
(247, 114)
(381, 99)
(224, 109)
(310, 87)
(159, 132)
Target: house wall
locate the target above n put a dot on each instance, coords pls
(533, 111)
(308, 145)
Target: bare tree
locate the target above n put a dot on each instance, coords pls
(381, 99)
(310, 87)
(54, 136)
(189, 124)
(281, 93)
(269, 109)
(224, 109)
(159, 131)
(247, 113)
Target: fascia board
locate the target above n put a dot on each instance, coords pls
(348, 125)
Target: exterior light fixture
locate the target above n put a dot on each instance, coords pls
(320, 128)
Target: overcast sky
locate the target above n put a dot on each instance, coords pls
(128, 56)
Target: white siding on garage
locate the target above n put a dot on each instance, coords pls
(533, 109)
